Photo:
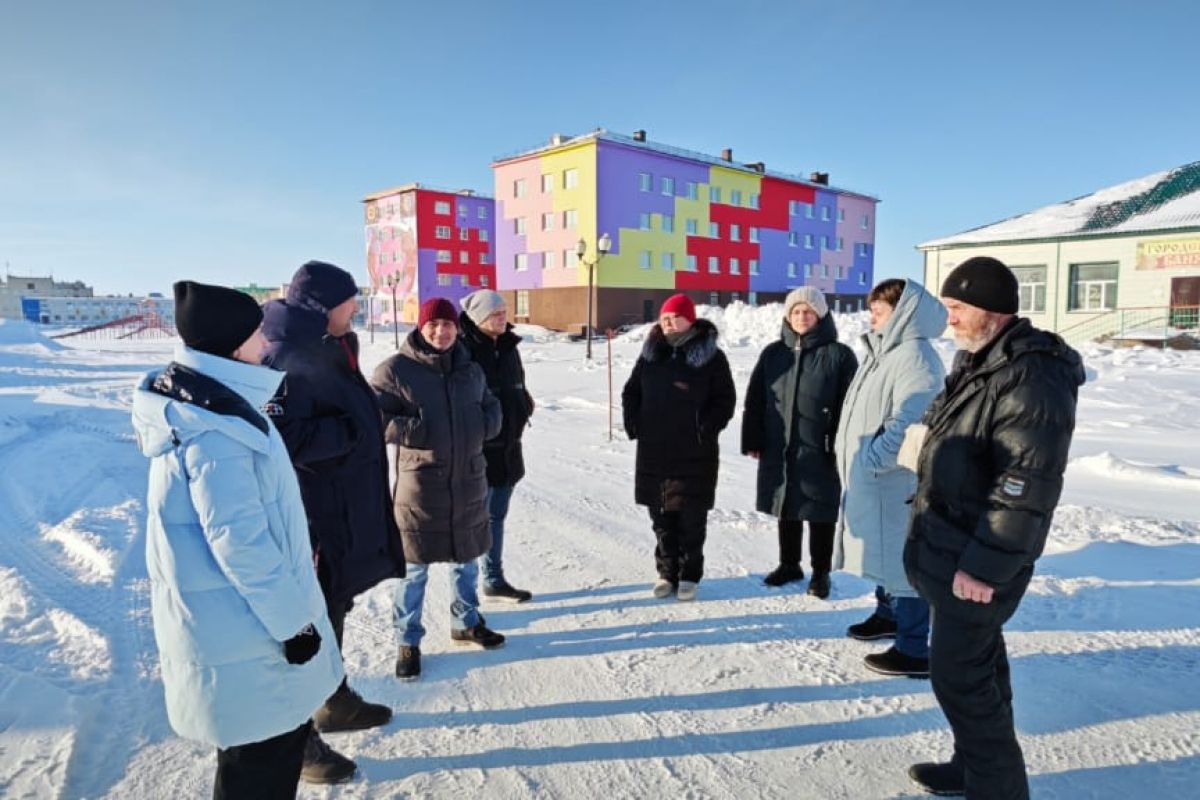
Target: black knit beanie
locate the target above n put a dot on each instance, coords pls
(321, 287)
(983, 282)
(214, 319)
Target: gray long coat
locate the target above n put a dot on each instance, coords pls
(438, 412)
(900, 375)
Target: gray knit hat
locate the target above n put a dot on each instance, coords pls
(809, 295)
(481, 304)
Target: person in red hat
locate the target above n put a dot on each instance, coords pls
(677, 401)
(437, 413)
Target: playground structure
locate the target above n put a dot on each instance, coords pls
(148, 323)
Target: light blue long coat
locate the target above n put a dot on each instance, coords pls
(230, 565)
(899, 376)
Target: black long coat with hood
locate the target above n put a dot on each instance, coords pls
(330, 420)
(677, 401)
(793, 404)
(501, 365)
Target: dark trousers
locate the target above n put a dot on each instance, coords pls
(266, 770)
(969, 671)
(679, 555)
(337, 619)
(820, 543)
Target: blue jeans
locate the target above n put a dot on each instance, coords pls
(911, 615)
(410, 599)
(492, 561)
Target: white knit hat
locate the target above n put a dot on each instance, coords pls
(810, 296)
(480, 305)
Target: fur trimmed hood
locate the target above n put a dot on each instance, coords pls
(699, 346)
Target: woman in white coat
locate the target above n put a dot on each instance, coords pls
(899, 376)
(245, 645)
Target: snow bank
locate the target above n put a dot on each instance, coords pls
(19, 332)
(1107, 465)
(743, 325)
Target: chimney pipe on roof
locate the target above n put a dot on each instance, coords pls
(639, 136)
(758, 166)
(727, 154)
(556, 139)
(819, 177)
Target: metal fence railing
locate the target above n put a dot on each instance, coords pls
(1155, 322)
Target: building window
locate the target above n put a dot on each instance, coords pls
(714, 298)
(548, 259)
(519, 187)
(570, 219)
(1093, 287)
(862, 248)
(735, 297)
(483, 235)
(519, 226)
(808, 241)
(691, 190)
(862, 280)
(824, 270)
(442, 231)
(839, 244)
(691, 226)
(714, 230)
(752, 298)
(462, 210)
(646, 260)
(808, 210)
(754, 201)
(464, 235)
(824, 242)
(645, 181)
(464, 280)
(570, 178)
(668, 261)
(841, 215)
(547, 183)
(443, 256)
(570, 258)
(691, 264)
(754, 266)
(668, 186)
(754, 234)
(464, 257)
(443, 280)
(714, 194)
(548, 221)
(808, 270)
(735, 266)
(523, 303)
(791, 272)
(520, 262)
(668, 223)
(485, 258)
(441, 207)
(842, 272)
(714, 265)
(794, 238)
(483, 212)
(644, 221)
(866, 221)
(483, 281)
(735, 233)
(793, 208)
(825, 213)
(735, 197)
(1031, 286)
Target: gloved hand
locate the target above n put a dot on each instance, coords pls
(303, 646)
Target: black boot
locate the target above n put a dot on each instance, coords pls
(944, 780)
(872, 628)
(819, 585)
(347, 711)
(324, 765)
(481, 635)
(506, 591)
(408, 665)
(893, 662)
(783, 574)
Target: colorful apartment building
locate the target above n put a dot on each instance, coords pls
(424, 243)
(678, 221)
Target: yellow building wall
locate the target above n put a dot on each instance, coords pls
(582, 198)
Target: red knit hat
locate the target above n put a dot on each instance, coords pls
(679, 304)
(437, 308)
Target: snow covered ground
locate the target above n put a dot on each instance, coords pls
(603, 691)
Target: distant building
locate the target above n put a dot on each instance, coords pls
(264, 293)
(15, 287)
(89, 311)
(423, 243)
(678, 221)
(1123, 259)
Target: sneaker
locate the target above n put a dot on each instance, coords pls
(893, 662)
(322, 764)
(408, 665)
(481, 635)
(687, 591)
(347, 711)
(819, 585)
(503, 591)
(663, 588)
(872, 628)
(944, 780)
(783, 574)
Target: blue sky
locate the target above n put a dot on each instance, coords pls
(143, 142)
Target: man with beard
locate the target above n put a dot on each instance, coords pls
(989, 475)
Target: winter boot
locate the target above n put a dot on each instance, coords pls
(505, 591)
(663, 588)
(347, 711)
(479, 635)
(784, 574)
(324, 765)
(819, 585)
(408, 665)
(944, 780)
(893, 662)
(687, 591)
(872, 628)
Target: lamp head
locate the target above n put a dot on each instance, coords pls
(604, 245)
(581, 248)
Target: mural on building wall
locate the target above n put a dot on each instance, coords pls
(392, 263)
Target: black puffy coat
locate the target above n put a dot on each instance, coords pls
(990, 471)
(438, 412)
(793, 403)
(331, 423)
(501, 365)
(675, 404)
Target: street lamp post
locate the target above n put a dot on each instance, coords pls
(602, 247)
(393, 280)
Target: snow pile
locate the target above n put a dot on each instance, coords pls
(743, 325)
(22, 336)
(1106, 465)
